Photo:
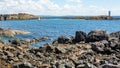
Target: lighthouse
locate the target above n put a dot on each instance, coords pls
(109, 13)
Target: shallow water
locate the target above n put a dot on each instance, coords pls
(52, 28)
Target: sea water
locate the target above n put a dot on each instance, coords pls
(52, 28)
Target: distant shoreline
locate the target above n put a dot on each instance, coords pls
(19, 16)
(25, 16)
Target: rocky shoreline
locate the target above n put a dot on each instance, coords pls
(97, 49)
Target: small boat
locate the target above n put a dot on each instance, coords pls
(39, 18)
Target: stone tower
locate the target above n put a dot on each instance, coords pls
(109, 13)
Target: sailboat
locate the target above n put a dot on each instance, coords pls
(39, 18)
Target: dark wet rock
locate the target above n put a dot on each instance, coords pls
(55, 42)
(49, 48)
(97, 35)
(109, 66)
(23, 65)
(64, 40)
(115, 34)
(16, 42)
(80, 36)
(101, 47)
(103, 62)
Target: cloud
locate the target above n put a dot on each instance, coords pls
(48, 7)
(78, 1)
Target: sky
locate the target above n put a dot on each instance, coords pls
(60, 7)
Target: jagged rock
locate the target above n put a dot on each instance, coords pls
(64, 40)
(69, 65)
(80, 36)
(109, 66)
(7, 53)
(49, 48)
(40, 55)
(81, 66)
(23, 65)
(61, 66)
(16, 42)
(101, 47)
(89, 65)
(60, 49)
(97, 35)
(115, 34)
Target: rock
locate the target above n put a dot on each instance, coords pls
(69, 64)
(16, 42)
(89, 65)
(11, 33)
(103, 62)
(60, 49)
(23, 65)
(98, 47)
(7, 53)
(49, 48)
(44, 38)
(61, 66)
(40, 55)
(20, 56)
(115, 34)
(102, 48)
(109, 66)
(80, 36)
(81, 66)
(97, 35)
(114, 43)
(64, 40)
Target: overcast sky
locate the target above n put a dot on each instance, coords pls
(60, 7)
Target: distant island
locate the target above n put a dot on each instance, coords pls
(19, 16)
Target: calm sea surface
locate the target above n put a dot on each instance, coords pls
(52, 28)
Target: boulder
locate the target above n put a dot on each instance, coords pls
(16, 42)
(101, 47)
(115, 34)
(69, 64)
(97, 35)
(80, 36)
(11, 33)
(89, 65)
(109, 66)
(64, 40)
(23, 65)
(49, 48)
(60, 49)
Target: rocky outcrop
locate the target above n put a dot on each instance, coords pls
(80, 36)
(11, 33)
(97, 35)
(19, 16)
(103, 53)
